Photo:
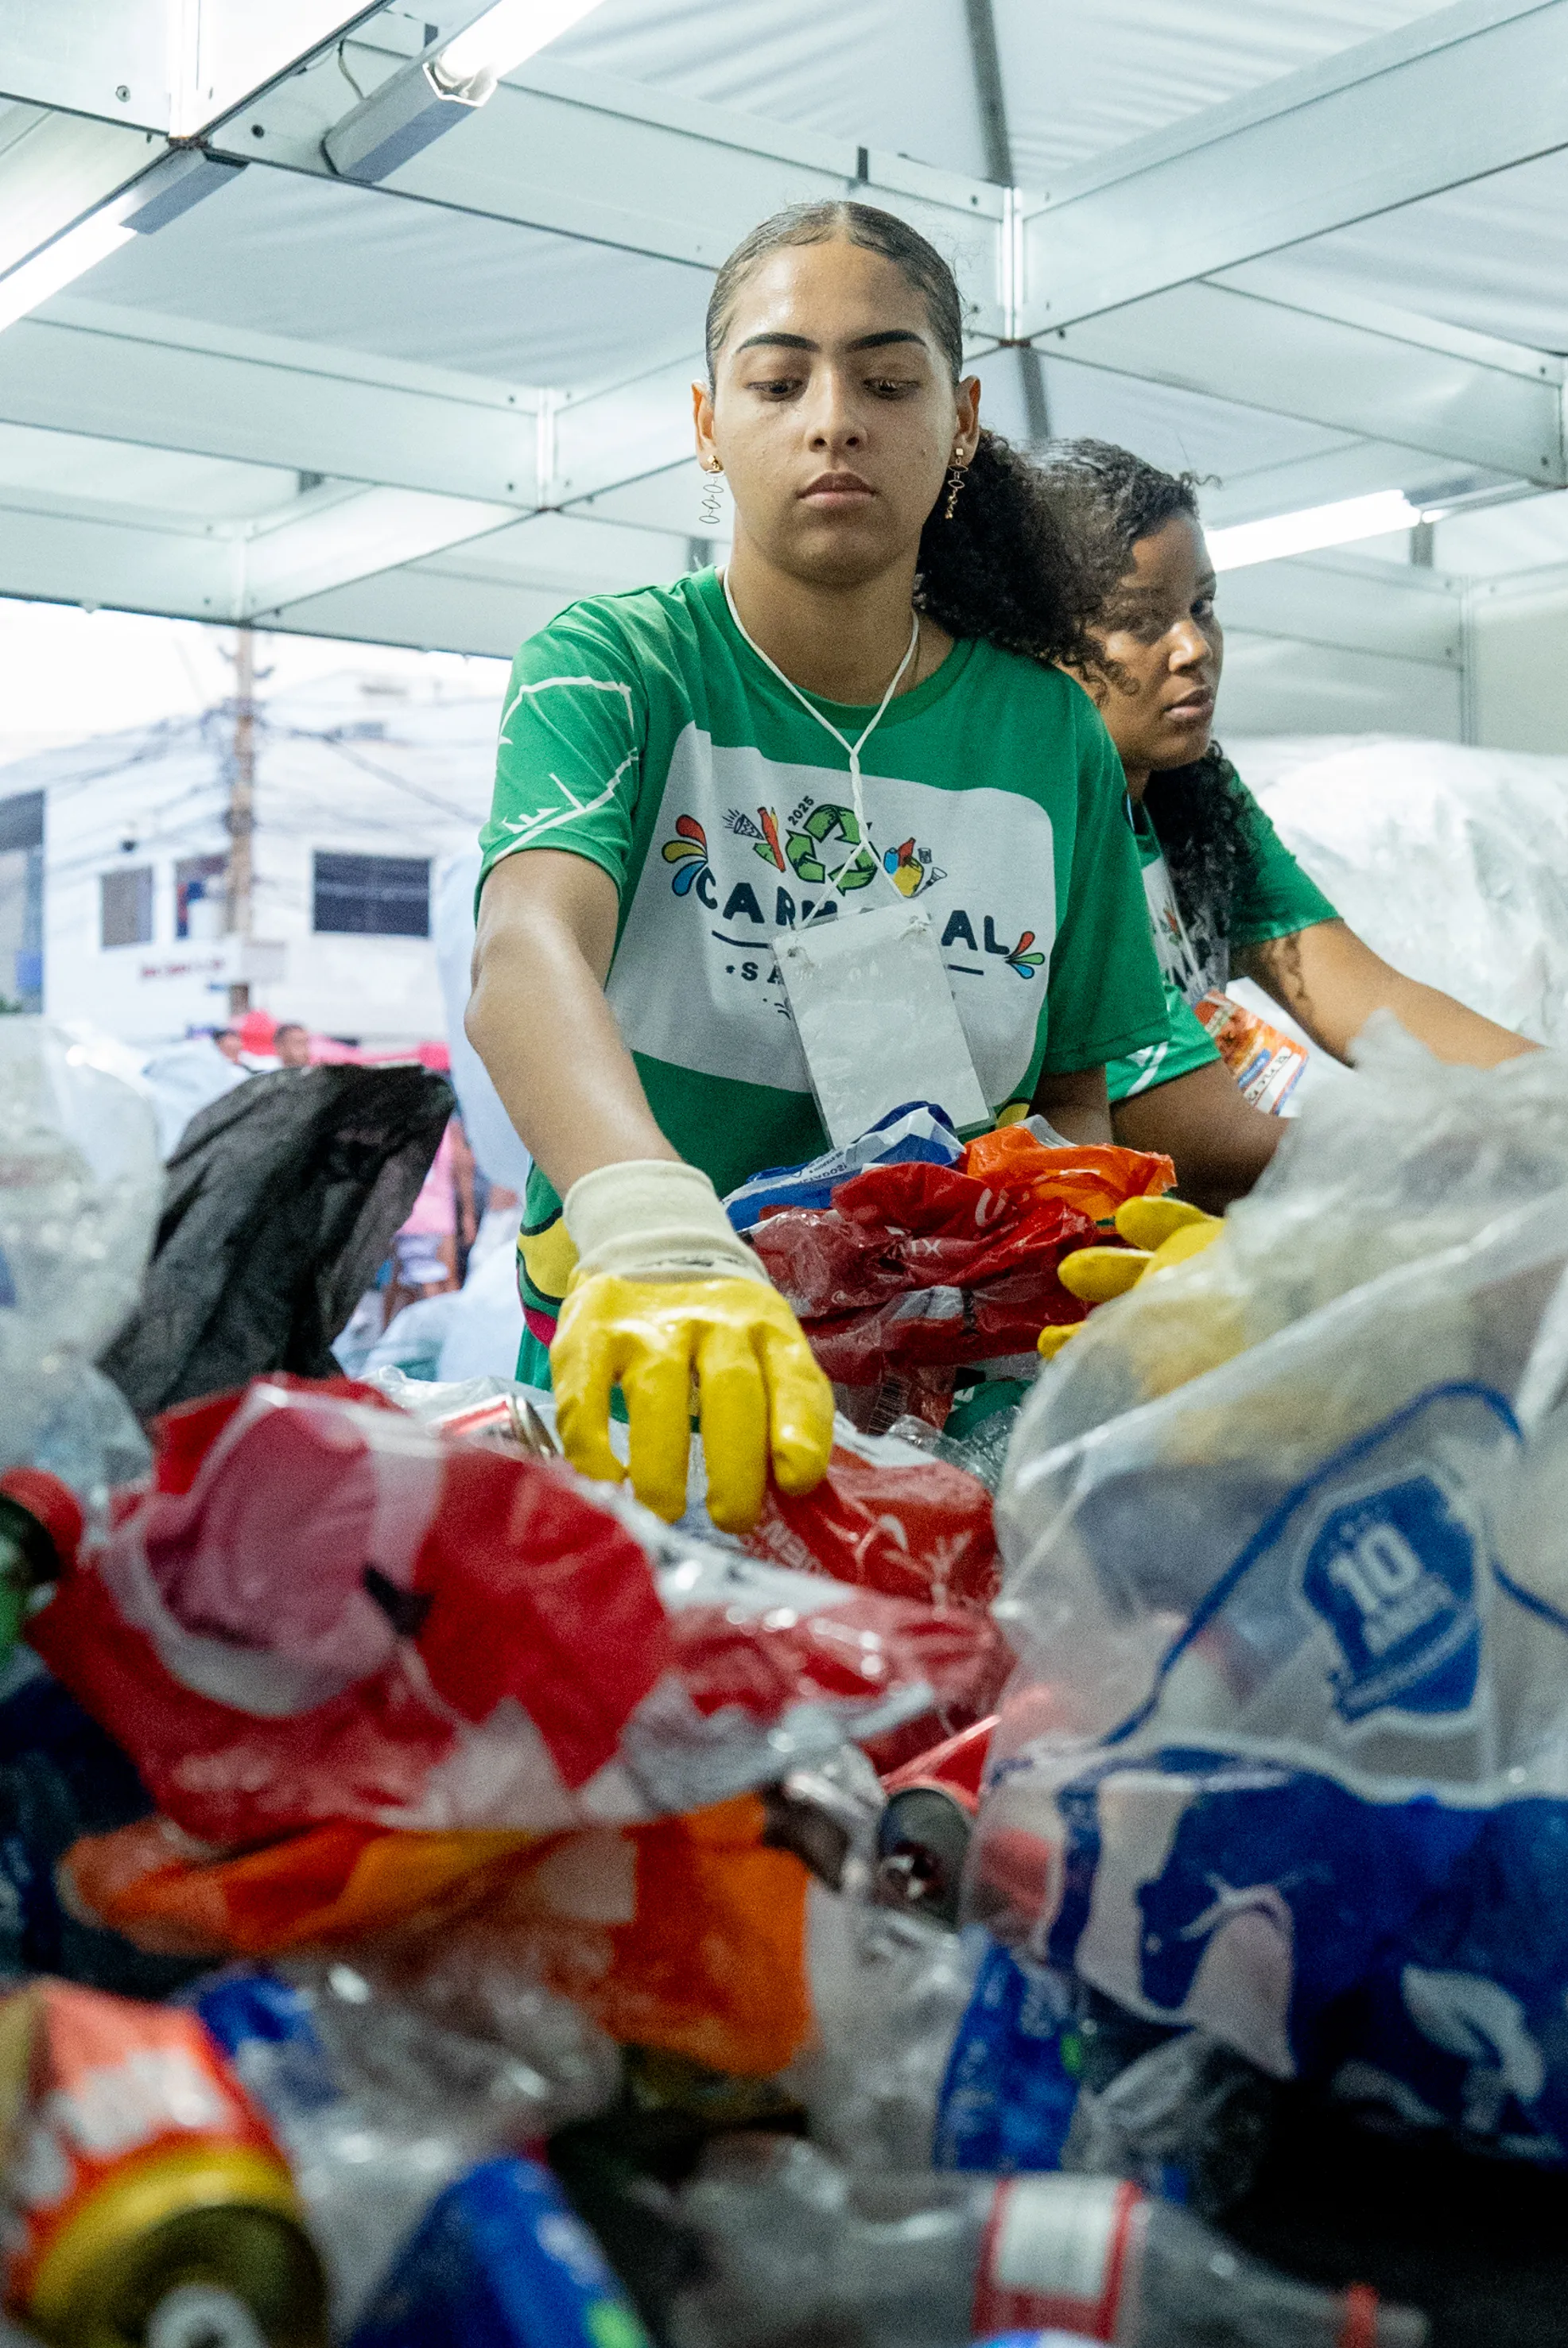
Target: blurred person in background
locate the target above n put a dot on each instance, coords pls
(1226, 897)
(425, 1253)
(291, 1046)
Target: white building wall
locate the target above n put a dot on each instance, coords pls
(420, 787)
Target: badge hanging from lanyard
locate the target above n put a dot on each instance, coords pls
(868, 992)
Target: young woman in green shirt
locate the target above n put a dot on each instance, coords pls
(1226, 897)
(868, 706)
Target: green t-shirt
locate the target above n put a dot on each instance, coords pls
(1273, 898)
(642, 732)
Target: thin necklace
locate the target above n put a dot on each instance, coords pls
(852, 749)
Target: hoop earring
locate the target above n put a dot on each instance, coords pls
(711, 512)
(954, 484)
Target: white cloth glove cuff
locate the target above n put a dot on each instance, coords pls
(654, 1219)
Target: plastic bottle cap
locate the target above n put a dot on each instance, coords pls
(53, 1504)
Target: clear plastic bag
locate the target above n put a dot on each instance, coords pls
(1285, 1757)
(81, 1183)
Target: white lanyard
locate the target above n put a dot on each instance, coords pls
(852, 749)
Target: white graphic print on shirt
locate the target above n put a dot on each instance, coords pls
(746, 847)
(1179, 961)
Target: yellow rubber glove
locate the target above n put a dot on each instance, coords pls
(666, 1300)
(1160, 1232)
(760, 1397)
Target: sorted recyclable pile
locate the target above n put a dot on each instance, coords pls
(443, 1905)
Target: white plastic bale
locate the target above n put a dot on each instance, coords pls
(1450, 862)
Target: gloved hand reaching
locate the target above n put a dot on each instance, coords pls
(665, 1297)
(1158, 1233)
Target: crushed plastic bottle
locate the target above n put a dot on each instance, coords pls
(1191, 2119)
(501, 2261)
(801, 2251)
(981, 1452)
(381, 2105)
(886, 2012)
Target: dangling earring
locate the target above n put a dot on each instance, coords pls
(711, 512)
(954, 483)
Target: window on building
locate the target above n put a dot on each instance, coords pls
(125, 907)
(373, 896)
(22, 902)
(200, 898)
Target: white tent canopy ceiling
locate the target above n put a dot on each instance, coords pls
(1314, 251)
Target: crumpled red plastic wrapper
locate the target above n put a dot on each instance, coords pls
(324, 1610)
(916, 1265)
(914, 1528)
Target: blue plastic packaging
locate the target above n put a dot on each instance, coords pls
(1033, 2340)
(62, 1777)
(501, 2261)
(1330, 1826)
(1011, 2082)
(918, 1132)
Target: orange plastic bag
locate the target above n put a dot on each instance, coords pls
(336, 1883)
(1093, 1176)
(686, 1933)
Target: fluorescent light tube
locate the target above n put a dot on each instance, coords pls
(391, 126)
(1376, 516)
(429, 97)
(59, 264)
(504, 37)
(161, 195)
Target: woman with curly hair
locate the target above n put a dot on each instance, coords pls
(866, 707)
(1225, 896)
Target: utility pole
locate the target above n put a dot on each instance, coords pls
(241, 819)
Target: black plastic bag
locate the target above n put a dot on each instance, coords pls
(283, 1198)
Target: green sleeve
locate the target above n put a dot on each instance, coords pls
(569, 761)
(1186, 1045)
(1105, 996)
(1273, 897)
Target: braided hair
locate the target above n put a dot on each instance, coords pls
(1108, 499)
(1004, 568)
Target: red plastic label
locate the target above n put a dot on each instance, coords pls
(1055, 2256)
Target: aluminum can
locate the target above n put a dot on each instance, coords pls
(149, 2203)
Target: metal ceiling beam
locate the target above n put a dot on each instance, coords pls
(1462, 398)
(116, 59)
(380, 564)
(427, 610)
(446, 457)
(1348, 604)
(120, 373)
(1452, 98)
(995, 136)
(54, 169)
(334, 543)
(619, 164)
(60, 550)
